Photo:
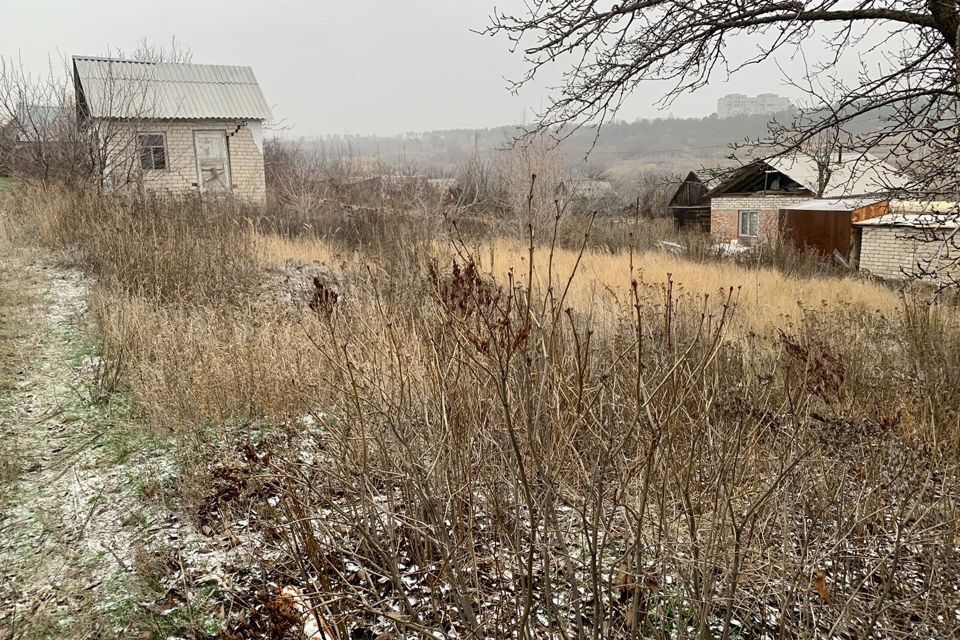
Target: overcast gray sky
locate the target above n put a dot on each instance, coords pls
(335, 66)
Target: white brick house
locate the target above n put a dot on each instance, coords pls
(175, 128)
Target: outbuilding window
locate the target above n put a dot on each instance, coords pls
(153, 151)
(748, 223)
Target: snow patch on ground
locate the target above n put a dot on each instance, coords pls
(74, 520)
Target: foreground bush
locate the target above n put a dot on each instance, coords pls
(472, 457)
(523, 447)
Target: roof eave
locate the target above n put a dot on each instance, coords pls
(806, 193)
(186, 118)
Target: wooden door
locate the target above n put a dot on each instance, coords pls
(213, 161)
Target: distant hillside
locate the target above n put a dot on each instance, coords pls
(663, 144)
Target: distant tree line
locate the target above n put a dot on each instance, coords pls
(653, 140)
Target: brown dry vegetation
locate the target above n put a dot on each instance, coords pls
(766, 298)
(435, 438)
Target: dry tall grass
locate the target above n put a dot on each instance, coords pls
(467, 449)
(167, 250)
(766, 298)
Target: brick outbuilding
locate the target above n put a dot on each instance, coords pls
(176, 128)
(914, 240)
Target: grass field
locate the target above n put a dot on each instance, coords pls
(430, 440)
(5, 184)
(765, 297)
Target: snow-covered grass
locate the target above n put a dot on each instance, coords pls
(78, 525)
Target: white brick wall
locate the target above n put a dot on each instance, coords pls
(894, 252)
(758, 201)
(180, 176)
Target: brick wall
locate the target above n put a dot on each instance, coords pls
(180, 176)
(888, 252)
(725, 215)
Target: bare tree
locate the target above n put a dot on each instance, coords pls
(147, 51)
(903, 104)
(41, 138)
(612, 48)
(49, 135)
(477, 183)
(302, 176)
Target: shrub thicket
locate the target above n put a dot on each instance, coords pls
(518, 444)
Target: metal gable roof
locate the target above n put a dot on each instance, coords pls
(860, 175)
(126, 89)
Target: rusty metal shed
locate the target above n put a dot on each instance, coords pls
(827, 224)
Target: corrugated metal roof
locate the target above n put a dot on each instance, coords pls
(912, 220)
(857, 176)
(834, 204)
(168, 91)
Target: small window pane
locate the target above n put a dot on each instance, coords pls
(159, 158)
(153, 154)
(748, 223)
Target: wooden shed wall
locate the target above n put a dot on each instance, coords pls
(690, 194)
(825, 231)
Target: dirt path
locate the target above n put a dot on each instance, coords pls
(73, 512)
(56, 542)
(93, 542)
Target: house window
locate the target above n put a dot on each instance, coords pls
(153, 151)
(748, 223)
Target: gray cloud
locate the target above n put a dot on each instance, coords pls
(338, 66)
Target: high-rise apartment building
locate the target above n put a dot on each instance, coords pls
(737, 104)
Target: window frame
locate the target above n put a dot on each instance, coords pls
(142, 147)
(753, 215)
